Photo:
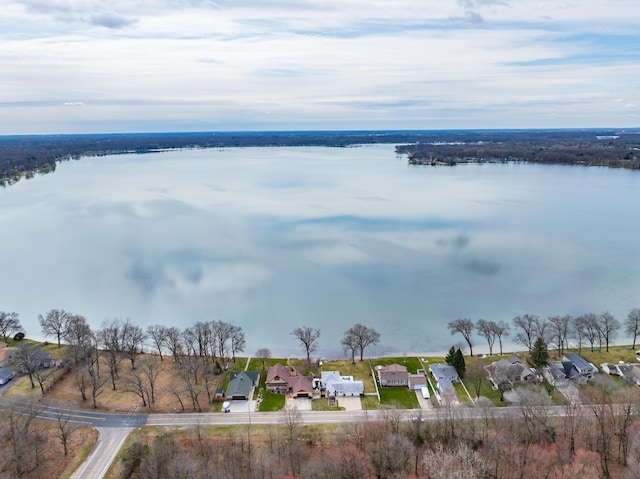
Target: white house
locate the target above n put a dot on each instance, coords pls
(338, 385)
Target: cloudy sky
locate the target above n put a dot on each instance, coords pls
(76, 66)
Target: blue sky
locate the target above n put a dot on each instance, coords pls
(80, 66)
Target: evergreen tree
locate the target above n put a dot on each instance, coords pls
(539, 353)
(450, 358)
(459, 363)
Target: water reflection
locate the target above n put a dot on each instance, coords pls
(274, 238)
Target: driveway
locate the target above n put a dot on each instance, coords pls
(350, 403)
(242, 406)
(571, 393)
(424, 403)
(302, 404)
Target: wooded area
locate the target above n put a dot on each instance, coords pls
(25, 156)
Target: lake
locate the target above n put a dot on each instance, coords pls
(275, 238)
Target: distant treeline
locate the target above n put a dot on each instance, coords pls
(616, 149)
(24, 156)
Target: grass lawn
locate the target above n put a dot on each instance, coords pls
(399, 397)
(360, 371)
(369, 402)
(322, 404)
(271, 401)
(255, 364)
(461, 393)
(615, 354)
(411, 363)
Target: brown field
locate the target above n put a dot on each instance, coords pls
(53, 462)
(65, 390)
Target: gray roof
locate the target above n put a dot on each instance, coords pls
(440, 371)
(253, 375)
(578, 361)
(346, 386)
(240, 385)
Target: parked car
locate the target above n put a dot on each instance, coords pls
(226, 406)
(425, 392)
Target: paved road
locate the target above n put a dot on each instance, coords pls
(110, 440)
(114, 428)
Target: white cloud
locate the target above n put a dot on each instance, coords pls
(331, 64)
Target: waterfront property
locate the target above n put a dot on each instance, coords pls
(336, 385)
(241, 384)
(393, 375)
(285, 380)
(572, 368)
(445, 375)
(505, 372)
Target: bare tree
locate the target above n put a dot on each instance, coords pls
(54, 323)
(44, 377)
(263, 354)
(133, 339)
(79, 335)
(173, 341)
(528, 329)
(237, 341)
(9, 324)
(501, 329)
(222, 332)
(608, 326)
(157, 333)
(476, 376)
(136, 383)
(488, 330)
(349, 344)
(362, 337)
(110, 337)
(151, 370)
(308, 338)
(560, 330)
(588, 323)
(95, 381)
(65, 427)
(23, 439)
(26, 359)
(459, 461)
(632, 325)
(465, 327)
(579, 331)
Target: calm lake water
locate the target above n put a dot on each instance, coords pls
(275, 238)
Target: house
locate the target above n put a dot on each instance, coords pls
(283, 380)
(445, 375)
(277, 379)
(572, 368)
(393, 375)
(583, 367)
(337, 385)
(509, 370)
(39, 360)
(417, 381)
(630, 372)
(241, 384)
(6, 374)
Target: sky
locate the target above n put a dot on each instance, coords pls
(90, 66)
